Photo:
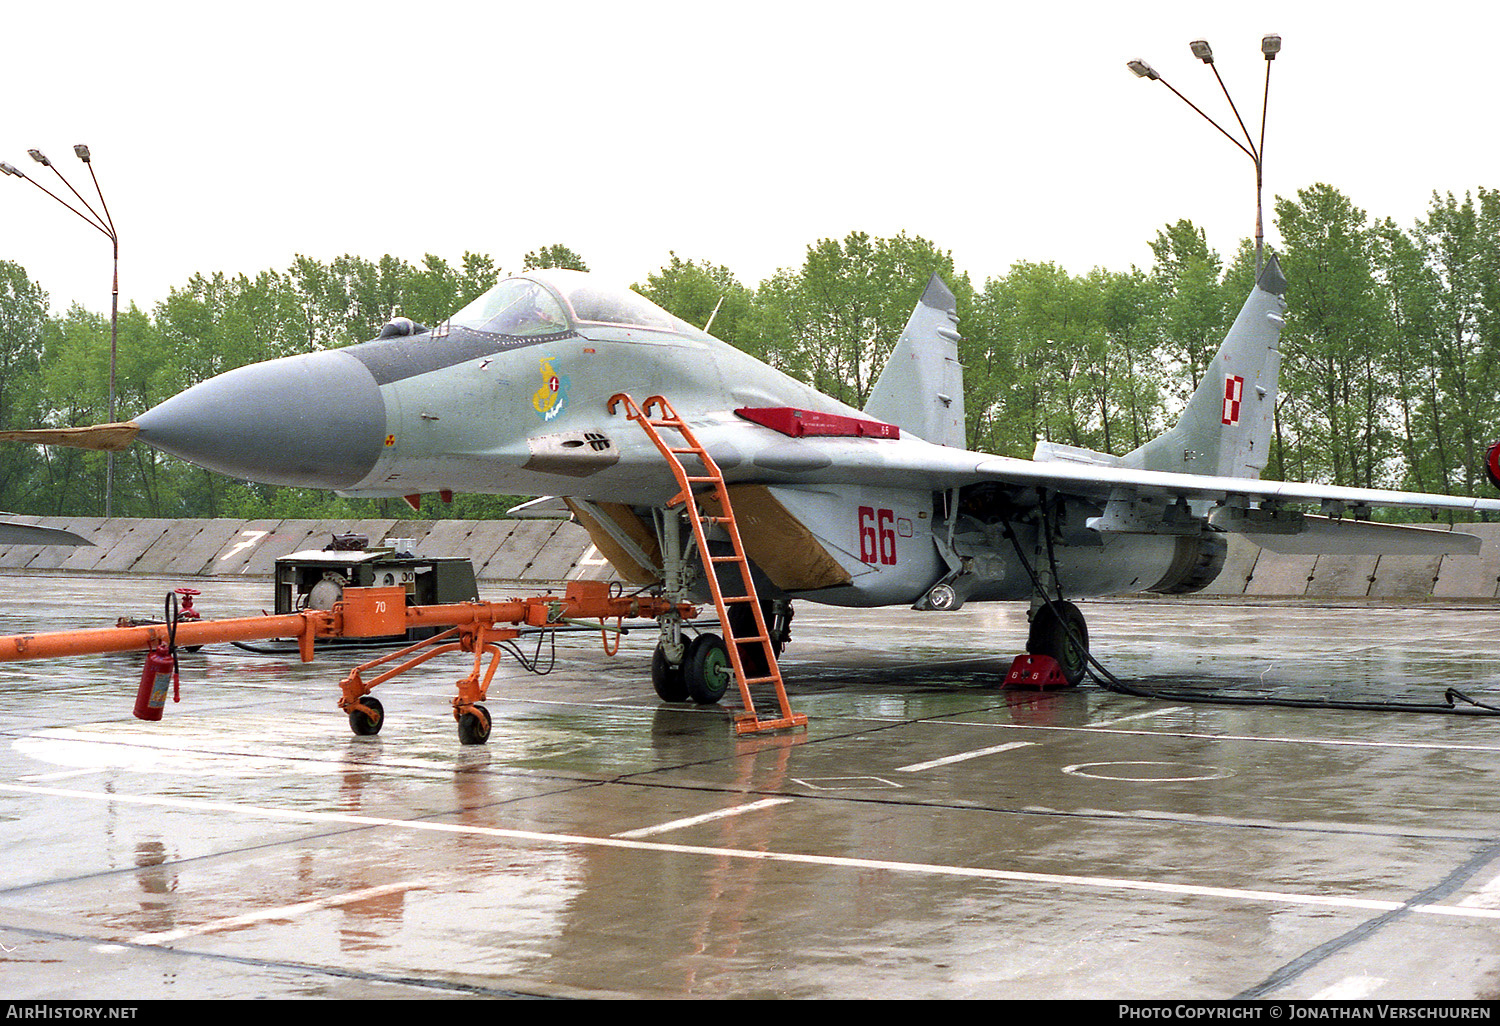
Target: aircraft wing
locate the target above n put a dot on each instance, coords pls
(1105, 481)
(12, 533)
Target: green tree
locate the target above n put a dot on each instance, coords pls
(23, 318)
(555, 255)
(1039, 343)
(1460, 243)
(1408, 292)
(697, 291)
(1132, 396)
(839, 315)
(1333, 344)
(1194, 312)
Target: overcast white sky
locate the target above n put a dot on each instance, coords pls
(233, 137)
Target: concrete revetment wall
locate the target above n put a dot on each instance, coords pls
(545, 551)
(501, 550)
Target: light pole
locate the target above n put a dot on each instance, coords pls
(1270, 46)
(106, 225)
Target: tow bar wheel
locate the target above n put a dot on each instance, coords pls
(363, 724)
(474, 726)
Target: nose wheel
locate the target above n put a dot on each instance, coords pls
(667, 678)
(707, 671)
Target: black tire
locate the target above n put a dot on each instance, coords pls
(474, 727)
(707, 671)
(666, 678)
(363, 725)
(1050, 637)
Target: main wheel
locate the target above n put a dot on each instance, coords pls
(707, 670)
(364, 725)
(666, 678)
(474, 727)
(1054, 633)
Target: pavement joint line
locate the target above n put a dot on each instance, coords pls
(1104, 728)
(343, 972)
(825, 861)
(1421, 902)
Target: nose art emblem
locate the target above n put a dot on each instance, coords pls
(552, 397)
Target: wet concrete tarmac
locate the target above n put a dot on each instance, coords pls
(928, 835)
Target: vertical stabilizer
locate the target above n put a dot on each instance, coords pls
(1226, 428)
(921, 389)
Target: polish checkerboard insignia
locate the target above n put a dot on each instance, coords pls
(1234, 391)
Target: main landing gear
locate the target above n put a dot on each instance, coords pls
(705, 672)
(703, 675)
(1059, 632)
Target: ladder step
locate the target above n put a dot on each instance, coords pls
(751, 724)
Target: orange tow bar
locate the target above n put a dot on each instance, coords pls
(372, 613)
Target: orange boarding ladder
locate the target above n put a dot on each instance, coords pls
(746, 721)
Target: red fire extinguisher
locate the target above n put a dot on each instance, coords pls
(160, 661)
(160, 669)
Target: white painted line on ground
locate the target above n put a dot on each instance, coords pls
(32, 778)
(1458, 910)
(281, 912)
(1487, 896)
(1141, 716)
(707, 817)
(825, 861)
(1350, 988)
(918, 767)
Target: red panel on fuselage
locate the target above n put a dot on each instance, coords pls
(799, 423)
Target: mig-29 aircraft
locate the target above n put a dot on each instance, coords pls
(522, 392)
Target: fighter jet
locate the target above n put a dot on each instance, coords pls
(524, 392)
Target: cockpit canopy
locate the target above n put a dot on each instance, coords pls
(555, 302)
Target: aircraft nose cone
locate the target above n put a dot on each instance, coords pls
(311, 421)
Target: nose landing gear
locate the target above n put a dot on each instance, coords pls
(1058, 631)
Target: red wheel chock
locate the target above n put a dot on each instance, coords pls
(1035, 671)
